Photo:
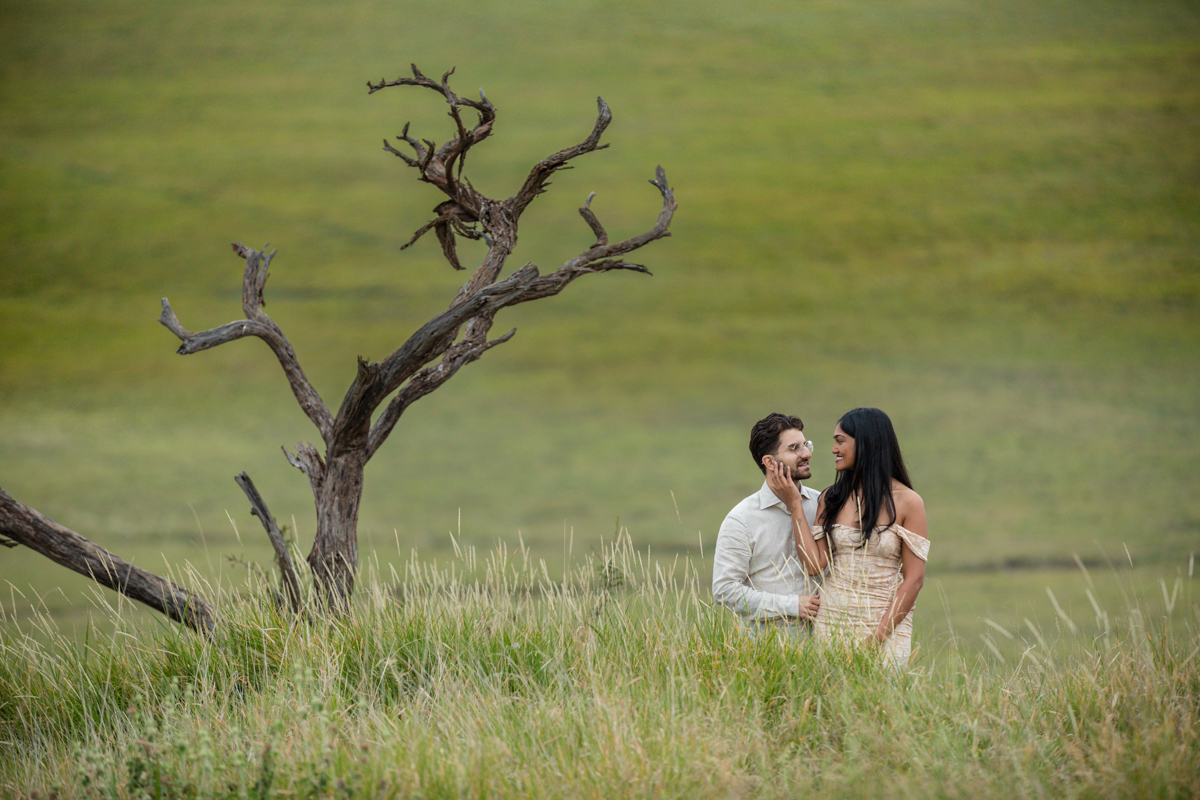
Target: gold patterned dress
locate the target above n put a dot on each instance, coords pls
(861, 583)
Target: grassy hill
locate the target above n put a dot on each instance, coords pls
(982, 219)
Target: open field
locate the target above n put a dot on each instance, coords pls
(615, 682)
(985, 220)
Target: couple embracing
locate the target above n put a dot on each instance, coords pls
(846, 563)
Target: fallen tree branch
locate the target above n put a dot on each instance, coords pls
(67, 548)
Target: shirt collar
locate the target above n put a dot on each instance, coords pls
(767, 498)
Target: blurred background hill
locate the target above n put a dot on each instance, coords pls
(982, 218)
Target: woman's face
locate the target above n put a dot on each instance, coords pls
(843, 450)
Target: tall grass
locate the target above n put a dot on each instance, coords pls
(484, 677)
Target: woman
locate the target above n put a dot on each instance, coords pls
(875, 537)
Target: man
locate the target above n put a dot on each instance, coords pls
(756, 572)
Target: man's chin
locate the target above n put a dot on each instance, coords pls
(802, 476)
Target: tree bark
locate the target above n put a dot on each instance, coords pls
(287, 572)
(67, 548)
(334, 555)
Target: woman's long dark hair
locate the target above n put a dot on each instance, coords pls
(877, 462)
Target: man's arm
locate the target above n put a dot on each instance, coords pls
(731, 569)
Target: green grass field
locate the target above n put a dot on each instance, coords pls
(619, 681)
(983, 219)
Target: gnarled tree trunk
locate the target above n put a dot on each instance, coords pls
(334, 555)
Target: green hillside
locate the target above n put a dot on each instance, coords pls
(982, 218)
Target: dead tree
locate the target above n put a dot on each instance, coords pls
(442, 346)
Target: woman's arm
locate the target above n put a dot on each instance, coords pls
(812, 555)
(910, 513)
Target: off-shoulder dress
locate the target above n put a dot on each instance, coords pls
(861, 583)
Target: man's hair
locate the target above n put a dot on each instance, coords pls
(764, 436)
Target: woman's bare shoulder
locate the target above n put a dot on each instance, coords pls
(910, 510)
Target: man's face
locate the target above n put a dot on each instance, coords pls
(794, 451)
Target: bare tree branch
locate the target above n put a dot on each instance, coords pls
(429, 379)
(598, 258)
(602, 256)
(67, 548)
(437, 165)
(416, 146)
(256, 323)
(499, 222)
(308, 461)
(431, 341)
(593, 222)
(283, 558)
(452, 219)
(535, 184)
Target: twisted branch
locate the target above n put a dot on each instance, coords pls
(430, 378)
(604, 256)
(535, 183)
(524, 285)
(436, 165)
(309, 461)
(256, 323)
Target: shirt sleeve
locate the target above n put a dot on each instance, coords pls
(731, 578)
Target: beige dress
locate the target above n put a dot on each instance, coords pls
(861, 583)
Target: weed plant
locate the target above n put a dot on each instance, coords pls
(482, 677)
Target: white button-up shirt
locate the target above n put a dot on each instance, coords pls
(755, 569)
